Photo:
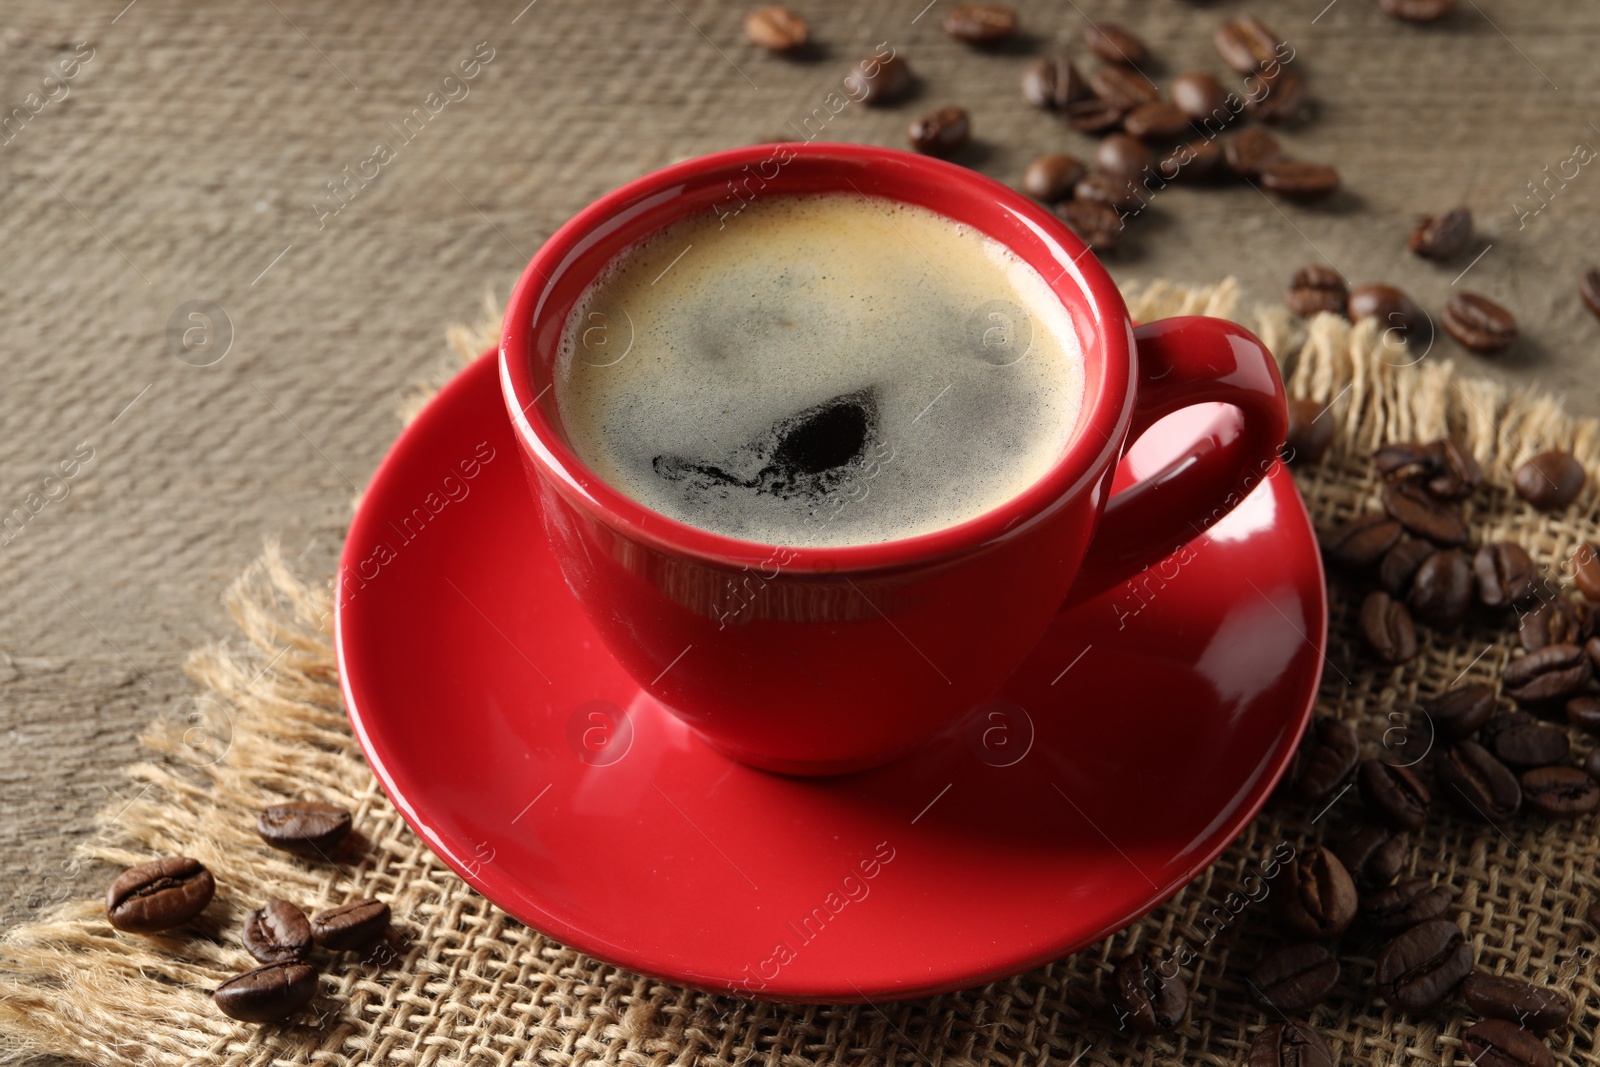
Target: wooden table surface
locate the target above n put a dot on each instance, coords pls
(187, 159)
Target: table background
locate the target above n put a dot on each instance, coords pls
(184, 161)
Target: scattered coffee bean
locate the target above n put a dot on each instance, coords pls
(1285, 99)
(1295, 977)
(1318, 898)
(1246, 44)
(875, 81)
(1477, 783)
(941, 132)
(980, 23)
(1503, 1043)
(350, 926)
(1586, 570)
(1200, 95)
(1373, 856)
(303, 826)
(268, 993)
(776, 28)
(159, 895)
(1414, 508)
(1124, 156)
(1290, 1044)
(1423, 965)
(1054, 82)
(1122, 87)
(1560, 792)
(1591, 767)
(1442, 237)
(1094, 115)
(1098, 226)
(1406, 461)
(1520, 741)
(1300, 180)
(1149, 992)
(1584, 712)
(1311, 430)
(1252, 151)
(1549, 481)
(1441, 590)
(1389, 306)
(276, 932)
(1193, 162)
(1112, 190)
(1589, 290)
(1456, 471)
(1460, 710)
(1558, 621)
(1316, 288)
(1386, 625)
(1361, 542)
(1051, 178)
(1592, 649)
(1555, 672)
(1399, 565)
(1478, 323)
(1500, 997)
(1327, 754)
(1418, 10)
(1156, 121)
(1400, 907)
(1505, 574)
(1115, 44)
(1395, 793)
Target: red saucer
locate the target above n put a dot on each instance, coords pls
(1138, 740)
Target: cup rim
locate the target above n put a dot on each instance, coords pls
(1102, 423)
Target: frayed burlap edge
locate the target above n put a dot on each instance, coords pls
(267, 723)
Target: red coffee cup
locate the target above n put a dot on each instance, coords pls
(823, 660)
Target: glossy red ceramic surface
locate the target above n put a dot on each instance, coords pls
(822, 660)
(1133, 743)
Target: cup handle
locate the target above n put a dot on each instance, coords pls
(1182, 361)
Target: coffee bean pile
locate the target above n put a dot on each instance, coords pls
(165, 893)
(1476, 322)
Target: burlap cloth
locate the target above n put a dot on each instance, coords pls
(471, 985)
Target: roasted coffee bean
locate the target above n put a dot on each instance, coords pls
(1148, 991)
(1589, 290)
(1476, 782)
(1246, 44)
(1412, 507)
(1361, 542)
(1520, 741)
(1555, 672)
(1200, 95)
(1592, 649)
(1584, 712)
(1316, 288)
(1311, 430)
(1054, 82)
(1290, 1044)
(1418, 10)
(980, 23)
(1395, 793)
(1051, 178)
(1423, 965)
(1591, 764)
(159, 895)
(1327, 754)
(1500, 997)
(1116, 192)
(776, 28)
(1250, 152)
(1400, 907)
(1116, 44)
(1549, 481)
(1456, 473)
(875, 81)
(1558, 621)
(1460, 710)
(941, 132)
(1156, 121)
(1389, 306)
(1399, 565)
(350, 926)
(1295, 977)
(303, 826)
(268, 993)
(1124, 156)
(1387, 628)
(1122, 87)
(1318, 898)
(1283, 98)
(1478, 323)
(1441, 237)
(1193, 162)
(276, 932)
(1373, 856)
(1299, 180)
(1560, 792)
(1505, 574)
(1098, 226)
(1586, 570)
(1094, 115)
(1406, 461)
(1501, 1042)
(1441, 590)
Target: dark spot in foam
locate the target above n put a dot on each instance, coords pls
(828, 436)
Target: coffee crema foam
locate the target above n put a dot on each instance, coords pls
(822, 370)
